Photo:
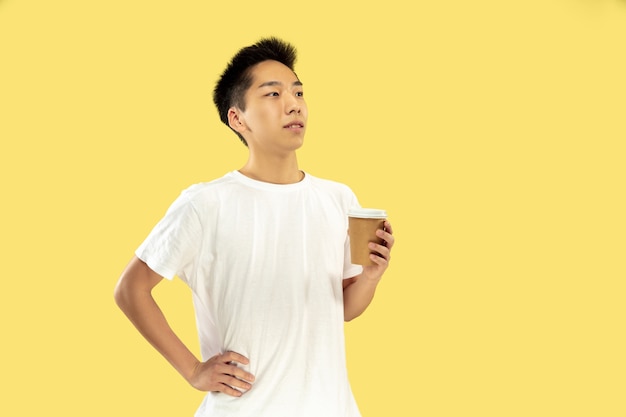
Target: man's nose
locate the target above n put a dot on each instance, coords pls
(293, 106)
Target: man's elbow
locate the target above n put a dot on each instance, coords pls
(124, 293)
(136, 280)
(349, 316)
(120, 295)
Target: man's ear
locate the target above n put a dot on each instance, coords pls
(235, 120)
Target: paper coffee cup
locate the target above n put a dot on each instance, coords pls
(363, 223)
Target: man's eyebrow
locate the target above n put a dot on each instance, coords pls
(297, 83)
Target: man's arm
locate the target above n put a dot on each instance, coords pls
(133, 294)
(358, 291)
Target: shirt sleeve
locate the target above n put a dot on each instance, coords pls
(172, 246)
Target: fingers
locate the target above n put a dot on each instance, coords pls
(382, 252)
(222, 374)
(388, 227)
(232, 385)
(229, 366)
(231, 356)
(386, 234)
(234, 376)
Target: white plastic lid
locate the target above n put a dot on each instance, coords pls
(367, 213)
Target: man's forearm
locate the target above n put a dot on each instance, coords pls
(133, 294)
(358, 296)
(148, 318)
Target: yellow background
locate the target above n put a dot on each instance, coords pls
(492, 131)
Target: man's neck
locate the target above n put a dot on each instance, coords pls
(274, 170)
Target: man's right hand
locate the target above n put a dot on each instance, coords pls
(221, 374)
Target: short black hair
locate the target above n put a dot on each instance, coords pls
(232, 85)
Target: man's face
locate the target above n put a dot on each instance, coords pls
(276, 113)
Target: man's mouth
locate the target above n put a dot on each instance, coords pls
(294, 125)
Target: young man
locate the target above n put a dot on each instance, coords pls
(265, 252)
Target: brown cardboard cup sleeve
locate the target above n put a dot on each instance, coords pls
(362, 226)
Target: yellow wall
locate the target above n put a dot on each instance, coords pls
(492, 132)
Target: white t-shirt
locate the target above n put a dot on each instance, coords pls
(265, 263)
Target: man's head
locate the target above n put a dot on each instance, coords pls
(236, 79)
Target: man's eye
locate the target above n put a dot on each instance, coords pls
(273, 94)
(300, 94)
